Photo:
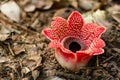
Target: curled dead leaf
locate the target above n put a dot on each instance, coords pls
(114, 8)
(99, 17)
(25, 70)
(35, 74)
(4, 59)
(44, 4)
(11, 10)
(33, 60)
(29, 8)
(5, 30)
(64, 12)
(88, 4)
(18, 48)
(73, 3)
(47, 4)
(25, 78)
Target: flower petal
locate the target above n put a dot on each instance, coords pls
(98, 43)
(48, 33)
(96, 47)
(66, 59)
(55, 44)
(75, 21)
(87, 30)
(83, 57)
(60, 29)
(66, 55)
(99, 31)
(97, 51)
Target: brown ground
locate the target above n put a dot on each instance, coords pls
(24, 53)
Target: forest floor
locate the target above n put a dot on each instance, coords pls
(24, 51)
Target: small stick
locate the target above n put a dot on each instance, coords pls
(97, 61)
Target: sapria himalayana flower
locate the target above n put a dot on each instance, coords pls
(74, 41)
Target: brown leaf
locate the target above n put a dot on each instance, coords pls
(4, 59)
(88, 4)
(25, 70)
(5, 30)
(25, 78)
(18, 48)
(73, 3)
(64, 12)
(116, 16)
(33, 60)
(11, 10)
(35, 74)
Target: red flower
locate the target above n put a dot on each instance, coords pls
(75, 42)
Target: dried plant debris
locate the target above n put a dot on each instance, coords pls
(99, 17)
(4, 59)
(116, 16)
(73, 3)
(18, 48)
(90, 4)
(64, 12)
(31, 5)
(95, 16)
(40, 4)
(33, 59)
(11, 10)
(114, 11)
(5, 30)
(113, 8)
(44, 4)
(55, 78)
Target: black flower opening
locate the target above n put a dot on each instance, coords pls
(74, 46)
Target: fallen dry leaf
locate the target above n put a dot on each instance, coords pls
(33, 60)
(116, 16)
(64, 12)
(25, 78)
(73, 3)
(4, 59)
(114, 8)
(31, 5)
(114, 11)
(29, 8)
(18, 48)
(5, 30)
(3, 37)
(43, 4)
(35, 74)
(11, 10)
(88, 4)
(99, 17)
(25, 70)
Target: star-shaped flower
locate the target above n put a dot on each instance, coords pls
(75, 42)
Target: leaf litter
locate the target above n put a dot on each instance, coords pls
(24, 52)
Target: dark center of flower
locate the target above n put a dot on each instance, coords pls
(74, 46)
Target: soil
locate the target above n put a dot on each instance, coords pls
(25, 55)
